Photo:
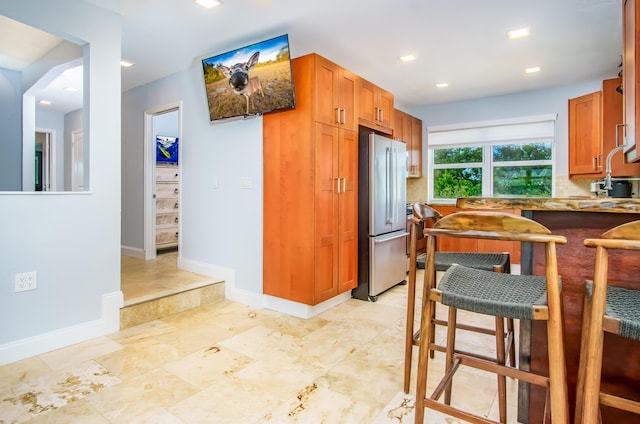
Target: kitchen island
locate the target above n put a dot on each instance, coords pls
(576, 219)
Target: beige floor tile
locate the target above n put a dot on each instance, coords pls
(224, 362)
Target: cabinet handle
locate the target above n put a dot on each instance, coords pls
(344, 185)
(176, 220)
(618, 126)
(176, 175)
(175, 206)
(599, 160)
(338, 115)
(176, 234)
(381, 115)
(344, 116)
(175, 191)
(338, 183)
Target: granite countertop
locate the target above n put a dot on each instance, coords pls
(578, 204)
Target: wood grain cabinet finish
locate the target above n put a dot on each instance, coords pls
(375, 106)
(167, 205)
(595, 129)
(585, 135)
(631, 76)
(408, 128)
(335, 95)
(310, 194)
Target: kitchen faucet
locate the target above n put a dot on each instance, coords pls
(607, 178)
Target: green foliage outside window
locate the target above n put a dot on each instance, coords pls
(458, 155)
(457, 182)
(520, 152)
(525, 181)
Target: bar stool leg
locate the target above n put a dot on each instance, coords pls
(502, 380)
(452, 320)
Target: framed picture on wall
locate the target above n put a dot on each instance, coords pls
(166, 149)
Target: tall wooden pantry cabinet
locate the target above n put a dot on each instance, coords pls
(310, 186)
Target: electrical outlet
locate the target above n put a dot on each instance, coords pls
(26, 281)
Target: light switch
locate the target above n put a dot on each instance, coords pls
(246, 182)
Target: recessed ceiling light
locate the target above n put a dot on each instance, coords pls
(442, 85)
(518, 33)
(73, 89)
(45, 102)
(533, 70)
(408, 58)
(208, 3)
(126, 64)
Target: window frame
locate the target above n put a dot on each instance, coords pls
(486, 134)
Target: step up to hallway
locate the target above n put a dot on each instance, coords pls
(160, 304)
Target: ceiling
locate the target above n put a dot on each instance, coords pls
(461, 42)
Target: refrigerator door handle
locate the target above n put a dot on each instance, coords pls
(403, 235)
(389, 184)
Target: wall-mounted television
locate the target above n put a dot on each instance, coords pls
(249, 81)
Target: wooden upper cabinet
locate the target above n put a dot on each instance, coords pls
(595, 129)
(335, 94)
(375, 106)
(585, 135)
(414, 148)
(408, 128)
(631, 70)
(613, 131)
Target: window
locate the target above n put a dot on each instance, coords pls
(493, 159)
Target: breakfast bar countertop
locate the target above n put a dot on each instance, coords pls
(576, 204)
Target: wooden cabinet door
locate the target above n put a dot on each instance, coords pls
(326, 212)
(367, 100)
(335, 95)
(631, 89)
(347, 92)
(348, 215)
(612, 117)
(326, 91)
(398, 125)
(585, 141)
(384, 103)
(414, 148)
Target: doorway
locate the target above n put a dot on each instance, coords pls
(45, 160)
(162, 182)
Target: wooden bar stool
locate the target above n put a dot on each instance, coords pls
(496, 294)
(612, 309)
(426, 216)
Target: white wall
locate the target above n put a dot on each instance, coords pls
(539, 102)
(11, 124)
(221, 227)
(72, 240)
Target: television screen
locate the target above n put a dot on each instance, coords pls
(249, 81)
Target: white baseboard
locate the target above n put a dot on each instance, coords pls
(301, 310)
(133, 252)
(108, 322)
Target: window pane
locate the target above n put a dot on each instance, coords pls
(457, 182)
(529, 181)
(457, 155)
(514, 152)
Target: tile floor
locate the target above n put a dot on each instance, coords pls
(229, 363)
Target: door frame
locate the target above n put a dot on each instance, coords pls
(149, 204)
(53, 166)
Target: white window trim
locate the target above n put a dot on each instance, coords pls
(529, 129)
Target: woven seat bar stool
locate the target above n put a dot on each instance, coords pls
(612, 309)
(497, 294)
(496, 262)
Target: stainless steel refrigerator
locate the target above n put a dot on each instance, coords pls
(382, 219)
